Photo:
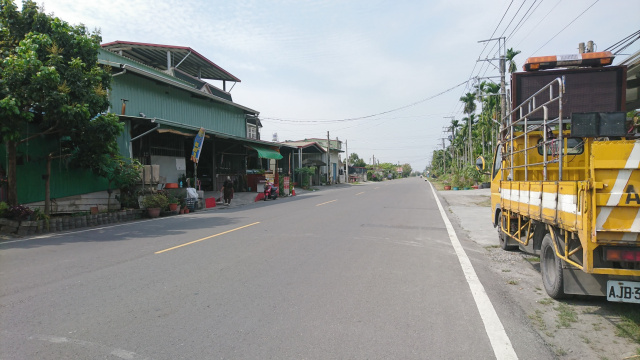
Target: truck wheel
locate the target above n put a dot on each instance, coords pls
(551, 269)
(504, 243)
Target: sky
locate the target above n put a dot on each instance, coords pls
(383, 76)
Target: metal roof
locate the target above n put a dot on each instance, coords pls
(168, 124)
(182, 57)
(305, 145)
(159, 76)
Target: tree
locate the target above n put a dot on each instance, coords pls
(354, 160)
(406, 170)
(50, 81)
(98, 151)
(510, 55)
(469, 100)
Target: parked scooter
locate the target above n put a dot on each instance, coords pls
(270, 192)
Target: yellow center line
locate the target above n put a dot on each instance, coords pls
(360, 193)
(205, 238)
(326, 202)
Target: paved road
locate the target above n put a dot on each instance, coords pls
(361, 272)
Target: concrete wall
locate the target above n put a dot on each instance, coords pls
(81, 203)
(168, 168)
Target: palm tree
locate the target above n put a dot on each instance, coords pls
(455, 124)
(510, 55)
(469, 100)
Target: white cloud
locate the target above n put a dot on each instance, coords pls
(336, 59)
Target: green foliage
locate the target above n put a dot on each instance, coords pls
(354, 160)
(510, 55)
(50, 79)
(4, 208)
(40, 215)
(406, 170)
(50, 71)
(128, 197)
(305, 172)
(157, 200)
(171, 198)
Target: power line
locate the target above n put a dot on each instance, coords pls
(620, 44)
(539, 22)
(480, 55)
(572, 21)
(513, 18)
(523, 20)
(381, 113)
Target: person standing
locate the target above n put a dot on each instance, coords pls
(227, 189)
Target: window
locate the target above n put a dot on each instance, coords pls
(497, 163)
(252, 131)
(575, 146)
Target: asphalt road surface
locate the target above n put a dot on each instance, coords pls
(357, 272)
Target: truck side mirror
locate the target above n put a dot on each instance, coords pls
(480, 164)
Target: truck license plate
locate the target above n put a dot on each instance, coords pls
(623, 291)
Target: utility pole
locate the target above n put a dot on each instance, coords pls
(328, 158)
(444, 158)
(346, 161)
(337, 174)
(502, 50)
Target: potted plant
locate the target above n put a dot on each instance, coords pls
(173, 202)
(155, 203)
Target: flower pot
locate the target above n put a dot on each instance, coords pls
(456, 188)
(186, 210)
(153, 212)
(173, 207)
(181, 211)
(447, 187)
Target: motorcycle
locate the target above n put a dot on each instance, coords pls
(270, 192)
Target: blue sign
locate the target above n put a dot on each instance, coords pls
(197, 146)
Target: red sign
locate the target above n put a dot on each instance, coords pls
(286, 185)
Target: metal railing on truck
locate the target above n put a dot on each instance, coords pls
(529, 107)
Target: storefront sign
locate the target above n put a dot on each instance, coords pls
(286, 185)
(197, 146)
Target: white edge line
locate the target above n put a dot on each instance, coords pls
(500, 342)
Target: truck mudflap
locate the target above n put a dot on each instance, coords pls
(616, 170)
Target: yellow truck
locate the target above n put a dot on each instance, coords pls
(566, 177)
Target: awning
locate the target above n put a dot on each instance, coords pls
(266, 153)
(313, 162)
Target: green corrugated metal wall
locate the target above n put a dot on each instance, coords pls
(64, 181)
(155, 99)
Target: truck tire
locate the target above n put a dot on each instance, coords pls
(504, 243)
(551, 269)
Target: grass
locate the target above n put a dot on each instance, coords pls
(629, 325)
(506, 270)
(561, 352)
(491, 247)
(513, 282)
(537, 320)
(566, 315)
(546, 301)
